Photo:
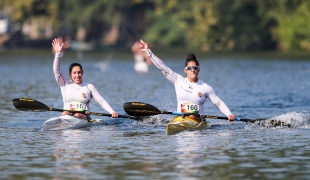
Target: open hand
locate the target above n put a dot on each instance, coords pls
(56, 45)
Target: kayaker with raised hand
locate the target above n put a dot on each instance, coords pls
(191, 92)
(142, 62)
(76, 94)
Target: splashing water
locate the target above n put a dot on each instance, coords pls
(296, 120)
(288, 120)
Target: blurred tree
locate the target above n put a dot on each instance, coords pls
(242, 25)
(85, 20)
(91, 20)
(209, 25)
(292, 30)
(180, 23)
(38, 15)
(21, 11)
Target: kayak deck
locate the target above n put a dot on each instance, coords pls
(69, 122)
(186, 123)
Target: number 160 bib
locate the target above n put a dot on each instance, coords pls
(189, 108)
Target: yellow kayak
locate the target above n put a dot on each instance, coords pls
(186, 123)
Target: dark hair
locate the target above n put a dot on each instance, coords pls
(191, 57)
(73, 65)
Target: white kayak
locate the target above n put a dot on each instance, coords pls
(69, 122)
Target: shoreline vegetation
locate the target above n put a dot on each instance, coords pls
(178, 53)
(208, 26)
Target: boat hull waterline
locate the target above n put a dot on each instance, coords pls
(186, 123)
(69, 122)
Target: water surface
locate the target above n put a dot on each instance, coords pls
(252, 86)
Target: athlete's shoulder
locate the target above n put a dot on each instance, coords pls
(88, 85)
(201, 82)
(206, 86)
(179, 77)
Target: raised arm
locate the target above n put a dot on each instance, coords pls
(57, 45)
(60, 78)
(157, 62)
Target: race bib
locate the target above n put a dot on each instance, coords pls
(77, 106)
(189, 108)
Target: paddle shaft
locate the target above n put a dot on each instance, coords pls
(144, 109)
(90, 113)
(236, 119)
(24, 104)
(131, 31)
(209, 116)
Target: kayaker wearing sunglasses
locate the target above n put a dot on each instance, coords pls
(191, 92)
(75, 92)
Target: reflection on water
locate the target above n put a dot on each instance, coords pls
(68, 155)
(127, 149)
(190, 148)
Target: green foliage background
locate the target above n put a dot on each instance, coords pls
(208, 25)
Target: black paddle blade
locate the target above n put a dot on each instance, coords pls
(140, 109)
(24, 104)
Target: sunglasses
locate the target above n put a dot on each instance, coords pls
(192, 68)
